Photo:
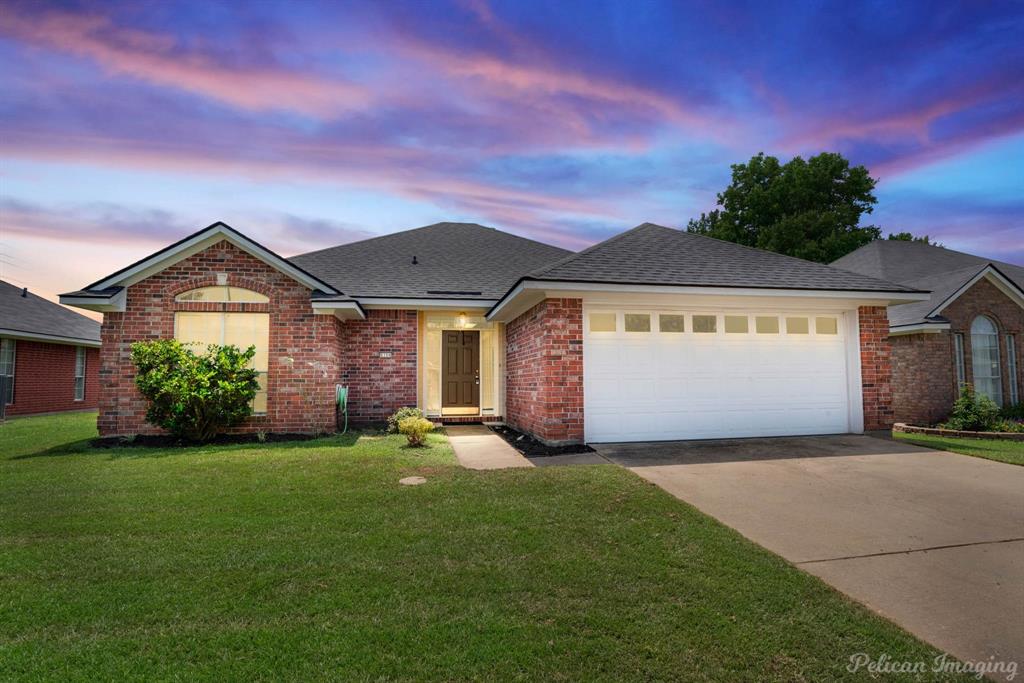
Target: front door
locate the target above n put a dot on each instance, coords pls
(460, 371)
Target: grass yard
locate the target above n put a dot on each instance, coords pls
(1011, 452)
(307, 561)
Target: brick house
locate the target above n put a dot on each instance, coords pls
(49, 355)
(967, 332)
(651, 334)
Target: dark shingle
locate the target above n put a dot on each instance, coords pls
(35, 315)
(927, 267)
(655, 255)
(453, 261)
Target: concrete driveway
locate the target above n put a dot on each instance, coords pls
(932, 540)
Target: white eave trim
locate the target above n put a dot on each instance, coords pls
(990, 273)
(917, 328)
(425, 304)
(201, 240)
(51, 338)
(342, 310)
(541, 287)
(114, 303)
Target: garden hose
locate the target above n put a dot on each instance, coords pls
(341, 406)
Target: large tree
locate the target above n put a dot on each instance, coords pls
(810, 209)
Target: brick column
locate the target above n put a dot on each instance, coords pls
(544, 371)
(875, 367)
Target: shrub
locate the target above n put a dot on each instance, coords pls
(195, 395)
(1013, 412)
(972, 413)
(415, 430)
(400, 415)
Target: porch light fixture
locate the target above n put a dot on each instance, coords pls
(462, 319)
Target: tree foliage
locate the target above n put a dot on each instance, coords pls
(809, 209)
(910, 237)
(195, 396)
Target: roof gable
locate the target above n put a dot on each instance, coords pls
(34, 317)
(195, 243)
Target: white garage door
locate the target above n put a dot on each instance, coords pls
(663, 375)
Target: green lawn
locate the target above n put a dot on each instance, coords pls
(1011, 452)
(307, 561)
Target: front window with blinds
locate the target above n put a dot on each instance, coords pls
(7, 348)
(240, 329)
(80, 373)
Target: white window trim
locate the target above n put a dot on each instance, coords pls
(960, 362)
(80, 352)
(1011, 368)
(14, 365)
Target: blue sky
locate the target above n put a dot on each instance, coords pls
(127, 125)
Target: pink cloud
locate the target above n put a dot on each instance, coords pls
(158, 59)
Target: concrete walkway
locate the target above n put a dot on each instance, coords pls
(478, 448)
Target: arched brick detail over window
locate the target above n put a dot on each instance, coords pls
(211, 281)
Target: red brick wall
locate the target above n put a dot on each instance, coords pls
(304, 354)
(984, 298)
(544, 371)
(875, 367)
(379, 386)
(44, 378)
(923, 377)
(924, 365)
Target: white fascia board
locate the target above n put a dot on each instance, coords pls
(918, 328)
(992, 275)
(342, 310)
(103, 304)
(197, 243)
(520, 299)
(50, 338)
(426, 304)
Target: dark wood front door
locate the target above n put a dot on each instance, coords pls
(460, 371)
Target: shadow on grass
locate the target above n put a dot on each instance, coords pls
(88, 447)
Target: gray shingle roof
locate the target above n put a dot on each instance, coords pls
(923, 266)
(655, 255)
(453, 261)
(32, 314)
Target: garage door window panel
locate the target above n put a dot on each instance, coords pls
(672, 323)
(737, 324)
(603, 322)
(766, 324)
(705, 324)
(797, 325)
(637, 322)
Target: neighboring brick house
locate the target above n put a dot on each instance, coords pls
(968, 332)
(652, 334)
(49, 355)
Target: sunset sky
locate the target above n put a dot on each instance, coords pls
(125, 126)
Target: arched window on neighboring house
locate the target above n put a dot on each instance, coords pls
(985, 358)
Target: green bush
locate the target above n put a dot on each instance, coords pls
(192, 395)
(415, 429)
(1013, 412)
(972, 413)
(400, 415)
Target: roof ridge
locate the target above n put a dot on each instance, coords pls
(425, 227)
(571, 257)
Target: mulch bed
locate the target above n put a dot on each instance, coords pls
(531, 448)
(938, 431)
(167, 441)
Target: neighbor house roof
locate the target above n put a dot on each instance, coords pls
(27, 316)
(943, 272)
(440, 261)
